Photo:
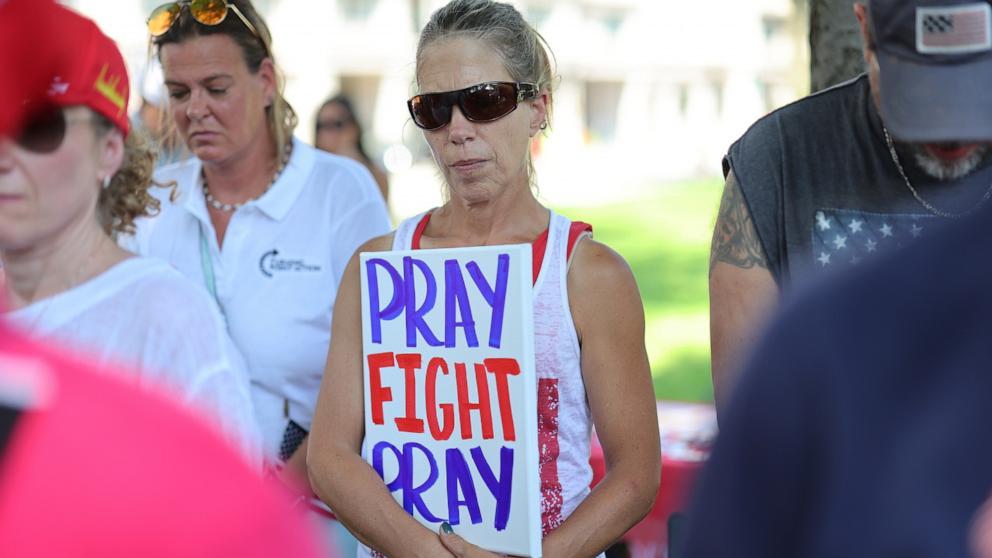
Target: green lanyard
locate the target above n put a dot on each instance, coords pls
(208, 274)
(208, 267)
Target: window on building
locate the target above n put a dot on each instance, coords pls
(416, 16)
(773, 27)
(716, 87)
(537, 14)
(608, 18)
(363, 92)
(683, 98)
(602, 104)
(357, 10)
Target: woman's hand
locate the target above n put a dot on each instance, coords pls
(462, 548)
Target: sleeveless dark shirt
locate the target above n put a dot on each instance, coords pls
(823, 191)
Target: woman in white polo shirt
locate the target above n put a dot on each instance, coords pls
(264, 221)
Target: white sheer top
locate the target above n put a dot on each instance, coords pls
(144, 316)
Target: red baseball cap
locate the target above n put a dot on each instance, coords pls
(90, 71)
(28, 49)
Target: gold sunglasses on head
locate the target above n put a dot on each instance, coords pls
(206, 12)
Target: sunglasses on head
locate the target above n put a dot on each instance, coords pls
(206, 12)
(43, 131)
(484, 102)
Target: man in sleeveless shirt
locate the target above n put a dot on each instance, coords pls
(857, 169)
(860, 426)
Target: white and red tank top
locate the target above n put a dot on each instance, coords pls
(564, 422)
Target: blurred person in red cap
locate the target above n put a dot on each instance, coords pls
(90, 466)
(855, 170)
(264, 221)
(70, 178)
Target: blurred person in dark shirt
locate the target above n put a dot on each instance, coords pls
(860, 426)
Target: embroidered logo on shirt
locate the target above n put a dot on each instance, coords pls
(270, 264)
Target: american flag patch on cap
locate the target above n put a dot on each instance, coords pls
(954, 29)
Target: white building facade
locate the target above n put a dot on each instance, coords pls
(649, 91)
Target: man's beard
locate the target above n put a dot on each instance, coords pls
(947, 170)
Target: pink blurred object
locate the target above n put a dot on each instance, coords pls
(687, 432)
(97, 467)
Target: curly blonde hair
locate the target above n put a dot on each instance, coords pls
(127, 196)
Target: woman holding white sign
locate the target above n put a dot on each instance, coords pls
(485, 80)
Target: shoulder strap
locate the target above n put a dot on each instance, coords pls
(419, 231)
(576, 232)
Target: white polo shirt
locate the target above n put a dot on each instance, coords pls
(278, 273)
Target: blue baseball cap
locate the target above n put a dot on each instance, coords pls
(935, 68)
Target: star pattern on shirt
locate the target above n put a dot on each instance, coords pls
(860, 234)
(822, 222)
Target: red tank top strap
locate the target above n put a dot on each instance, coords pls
(539, 247)
(419, 231)
(576, 231)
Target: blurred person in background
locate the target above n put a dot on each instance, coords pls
(851, 171)
(151, 117)
(265, 222)
(485, 77)
(73, 176)
(338, 131)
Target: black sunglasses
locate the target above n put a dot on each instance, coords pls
(484, 102)
(43, 131)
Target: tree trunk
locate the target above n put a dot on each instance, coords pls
(834, 43)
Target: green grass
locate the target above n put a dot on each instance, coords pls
(665, 236)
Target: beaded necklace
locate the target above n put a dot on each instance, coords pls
(230, 207)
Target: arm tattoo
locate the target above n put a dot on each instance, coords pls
(735, 240)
